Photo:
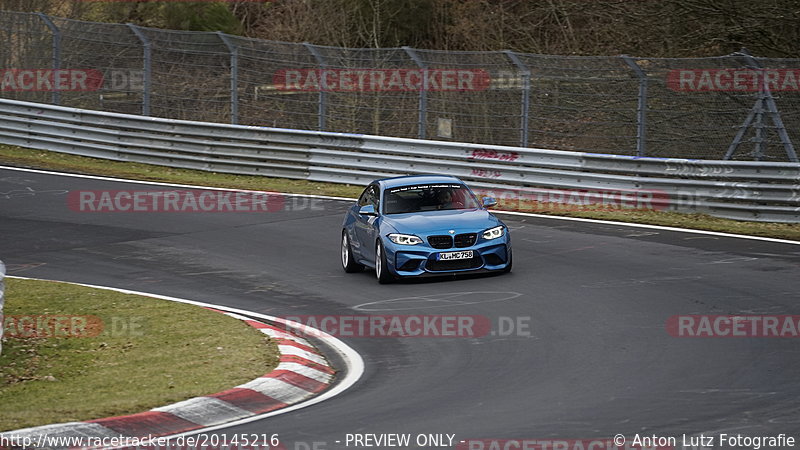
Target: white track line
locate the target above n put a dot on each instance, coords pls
(327, 197)
(653, 227)
(157, 183)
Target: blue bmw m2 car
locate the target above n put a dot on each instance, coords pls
(423, 225)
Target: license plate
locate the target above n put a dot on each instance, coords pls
(449, 256)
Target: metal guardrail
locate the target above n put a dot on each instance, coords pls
(705, 108)
(760, 191)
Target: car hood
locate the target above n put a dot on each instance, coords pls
(441, 222)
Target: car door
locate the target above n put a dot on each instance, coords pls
(366, 226)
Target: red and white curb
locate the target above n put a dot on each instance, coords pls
(301, 374)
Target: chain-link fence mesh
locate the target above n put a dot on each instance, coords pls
(618, 105)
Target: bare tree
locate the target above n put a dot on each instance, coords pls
(667, 28)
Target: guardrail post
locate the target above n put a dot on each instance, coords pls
(233, 49)
(148, 72)
(422, 120)
(526, 96)
(56, 94)
(641, 109)
(322, 102)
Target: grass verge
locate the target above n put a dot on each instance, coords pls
(10, 155)
(122, 354)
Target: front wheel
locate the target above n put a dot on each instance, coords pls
(381, 270)
(348, 263)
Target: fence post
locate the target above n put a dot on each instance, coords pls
(641, 131)
(766, 102)
(322, 101)
(526, 96)
(233, 49)
(758, 139)
(148, 75)
(422, 120)
(56, 94)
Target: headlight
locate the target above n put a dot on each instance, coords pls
(494, 233)
(404, 239)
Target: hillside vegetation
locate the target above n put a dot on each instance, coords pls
(655, 28)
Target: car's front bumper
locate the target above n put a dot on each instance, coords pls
(415, 261)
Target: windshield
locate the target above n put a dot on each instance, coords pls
(428, 197)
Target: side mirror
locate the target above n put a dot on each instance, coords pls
(488, 202)
(367, 210)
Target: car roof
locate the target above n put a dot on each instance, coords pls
(417, 179)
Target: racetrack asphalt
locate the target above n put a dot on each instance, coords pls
(597, 360)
